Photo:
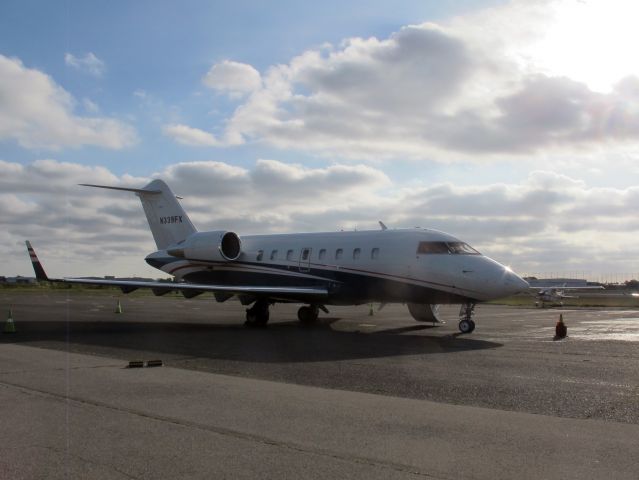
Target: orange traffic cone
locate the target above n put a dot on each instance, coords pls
(560, 329)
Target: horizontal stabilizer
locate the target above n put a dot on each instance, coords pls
(124, 189)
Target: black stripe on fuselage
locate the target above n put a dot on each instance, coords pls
(345, 287)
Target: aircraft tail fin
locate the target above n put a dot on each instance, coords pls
(167, 219)
(37, 266)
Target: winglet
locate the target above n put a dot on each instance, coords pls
(37, 266)
(381, 224)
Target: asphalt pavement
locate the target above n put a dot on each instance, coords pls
(356, 396)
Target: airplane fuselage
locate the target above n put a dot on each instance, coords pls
(408, 265)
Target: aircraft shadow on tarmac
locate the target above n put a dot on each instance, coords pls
(278, 343)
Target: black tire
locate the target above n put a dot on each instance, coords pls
(262, 318)
(257, 316)
(466, 326)
(307, 315)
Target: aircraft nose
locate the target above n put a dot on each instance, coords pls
(513, 283)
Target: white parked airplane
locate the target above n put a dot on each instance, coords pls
(555, 295)
(419, 267)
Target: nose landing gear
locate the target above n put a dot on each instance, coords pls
(466, 323)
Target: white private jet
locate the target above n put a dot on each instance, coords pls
(419, 267)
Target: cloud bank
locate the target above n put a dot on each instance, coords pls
(473, 88)
(548, 219)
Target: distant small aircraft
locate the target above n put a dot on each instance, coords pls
(555, 295)
(419, 267)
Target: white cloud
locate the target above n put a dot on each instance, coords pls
(38, 113)
(233, 78)
(472, 88)
(544, 221)
(90, 106)
(190, 136)
(88, 64)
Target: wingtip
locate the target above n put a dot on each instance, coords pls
(37, 266)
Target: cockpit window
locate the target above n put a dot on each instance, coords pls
(455, 248)
(461, 248)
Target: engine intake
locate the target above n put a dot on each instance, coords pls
(231, 246)
(213, 246)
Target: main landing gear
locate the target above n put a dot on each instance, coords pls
(466, 323)
(308, 314)
(258, 314)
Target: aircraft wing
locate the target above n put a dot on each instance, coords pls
(131, 285)
(555, 287)
(188, 289)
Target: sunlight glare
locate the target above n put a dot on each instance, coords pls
(592, 41)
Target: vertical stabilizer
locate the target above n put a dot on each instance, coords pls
(167, 219)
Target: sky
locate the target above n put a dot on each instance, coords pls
(513, 125)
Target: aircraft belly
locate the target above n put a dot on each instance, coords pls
(344, 287)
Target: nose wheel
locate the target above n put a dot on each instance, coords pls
(466, 323)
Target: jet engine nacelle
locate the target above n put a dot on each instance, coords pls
(424, 312)
(213, 246)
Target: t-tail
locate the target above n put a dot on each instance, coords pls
(167, 219)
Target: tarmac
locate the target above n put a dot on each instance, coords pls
(357, 396)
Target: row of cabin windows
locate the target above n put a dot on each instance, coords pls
(339, 254)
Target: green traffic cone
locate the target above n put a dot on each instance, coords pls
(9, 326)
(118, 309)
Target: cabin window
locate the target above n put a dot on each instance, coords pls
(356, 253)
(305, 253)
(339, 253)
(375, 253)
(322, 254)
(289, 255)
(273, 254)
(455, 248)
(260, 254)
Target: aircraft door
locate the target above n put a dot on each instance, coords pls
(305, 260)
